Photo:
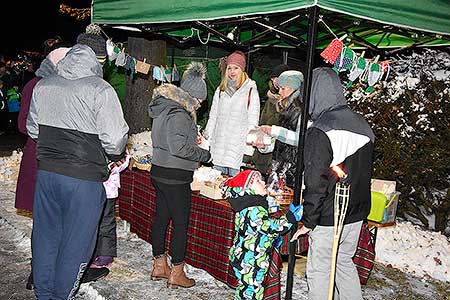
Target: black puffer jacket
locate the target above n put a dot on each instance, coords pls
(285, 155)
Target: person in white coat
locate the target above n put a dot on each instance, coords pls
(234, 111)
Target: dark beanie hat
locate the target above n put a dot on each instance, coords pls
(276, 72)
(93, 38)
(193, 81)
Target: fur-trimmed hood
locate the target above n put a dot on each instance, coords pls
(169, 94)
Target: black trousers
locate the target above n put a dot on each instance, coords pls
(173, 202)
(107, 235)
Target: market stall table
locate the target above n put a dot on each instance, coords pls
(210, 232)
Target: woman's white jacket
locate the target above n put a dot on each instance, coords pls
(230, 119)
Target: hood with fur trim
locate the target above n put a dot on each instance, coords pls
(173, 94)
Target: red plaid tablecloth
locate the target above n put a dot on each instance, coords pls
(210, 232)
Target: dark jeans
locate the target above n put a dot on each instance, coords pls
(173, 202)
(107, 235)
(66, 213)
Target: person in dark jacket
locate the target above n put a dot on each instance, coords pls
(337, 137)
(176, 155)
(26, 181)
(78, 122)
(269, 116)
(285, 135)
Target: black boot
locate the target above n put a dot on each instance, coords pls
(94, 274)
(30, 284)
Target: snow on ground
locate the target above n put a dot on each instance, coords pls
(414, 250)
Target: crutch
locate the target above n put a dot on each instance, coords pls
(341, 198)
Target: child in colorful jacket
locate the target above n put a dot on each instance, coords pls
(13, 97)
(256, 231)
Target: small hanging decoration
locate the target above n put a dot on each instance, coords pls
(175, 74)
(332, 51)
(167, 74)
(158, 74)
(357, 69)
(374, 74)
(142, 66)
(368, 72)
(385, 68)
(344, 61)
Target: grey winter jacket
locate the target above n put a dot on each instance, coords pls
(174, 132)
(77, 118)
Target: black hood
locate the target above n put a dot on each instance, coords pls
(328, 108)
(326, 92)
(245, 201)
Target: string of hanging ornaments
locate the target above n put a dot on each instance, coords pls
(343, 58)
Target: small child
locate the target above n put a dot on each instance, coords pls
(256, 231)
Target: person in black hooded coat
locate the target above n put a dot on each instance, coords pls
(337, 137)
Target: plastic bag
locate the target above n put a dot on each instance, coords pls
(257, 136)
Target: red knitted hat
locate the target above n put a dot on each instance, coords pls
(242, 179)
(237, 58)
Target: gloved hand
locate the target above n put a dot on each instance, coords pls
(297, 211)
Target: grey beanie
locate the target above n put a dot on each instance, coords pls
(193, 81)
(93, 38)
(291, 78)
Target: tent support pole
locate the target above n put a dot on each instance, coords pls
(311, 46)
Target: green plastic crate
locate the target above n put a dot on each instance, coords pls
(378, 205)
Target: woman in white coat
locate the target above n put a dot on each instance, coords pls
(234, 111)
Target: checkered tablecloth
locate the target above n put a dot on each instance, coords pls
(210, 232)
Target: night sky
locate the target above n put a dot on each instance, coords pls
(25, 24)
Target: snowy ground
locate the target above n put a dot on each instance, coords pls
(411, 263)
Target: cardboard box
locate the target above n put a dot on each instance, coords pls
(196, 185)
(383, 186)
(211, 191)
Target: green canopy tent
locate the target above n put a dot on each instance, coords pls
(376, 24)
(382, 26)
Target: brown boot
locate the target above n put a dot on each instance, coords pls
(178, 278)
(161, 268)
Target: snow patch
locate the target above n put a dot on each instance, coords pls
(413, 250)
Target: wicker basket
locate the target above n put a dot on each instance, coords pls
(135, 164)
(144, 167)
(286, 197)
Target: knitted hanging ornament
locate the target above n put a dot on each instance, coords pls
(168, 74)
(374, 75)
(121, 59)
(344, 61)
(357, 70)
(132, 67)
(112, 50)
(332, 51)
(157, 74)
(175, 74)
(385, 68)
(163, 74)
